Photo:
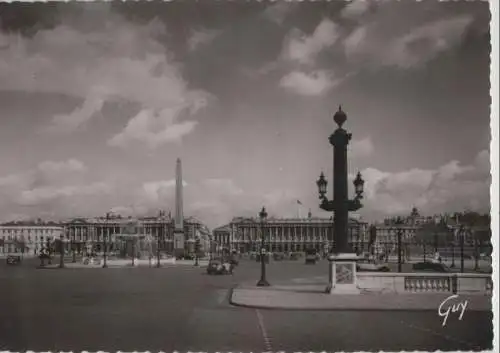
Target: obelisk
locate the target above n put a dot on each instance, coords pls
(179, 214)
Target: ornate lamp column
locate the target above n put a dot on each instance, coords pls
(105, 243)
(61, 251)
(399, 233)
(158, 234)
(342, 259)
(263, 281)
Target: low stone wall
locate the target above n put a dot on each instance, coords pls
(387, 282)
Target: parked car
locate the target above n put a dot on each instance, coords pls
(428, 266)
(219, 267)
(311, 257)
(278, 256)
(266, 258)
(13, 260)
(233, 260)
(366, 265)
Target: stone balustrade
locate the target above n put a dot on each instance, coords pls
(387, 282)
(427, 284)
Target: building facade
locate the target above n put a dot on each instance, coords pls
(28, 237)
(80, 232)
(283, 234)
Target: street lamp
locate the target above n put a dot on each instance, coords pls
(160, 233)
(105, 243)
(399, 222)
(262, 282)
(453, 249)
(61, 251)
(196, 250)
(462, 240)
(340, 205)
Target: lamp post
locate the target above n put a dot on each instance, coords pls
(340, 205)
(476, 254)
(461, 232)
(263, 281)
(105, 244)
(453, 250)
(196, 250)
(61, 251)
(72, 236)
(160, 233)
(399, 232)
(49, 252)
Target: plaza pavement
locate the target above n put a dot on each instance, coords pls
(183, 309)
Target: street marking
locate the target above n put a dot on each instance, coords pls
(447, 337)
(265, 336)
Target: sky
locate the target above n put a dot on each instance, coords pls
(98, 100)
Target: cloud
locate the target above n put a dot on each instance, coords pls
(44, 173)
(71, 122)
(451, 187)
(308, 84)
(361, 148)
(71, 165)
(354, 9)
(407, 46)
(223, 185)
(153, 128)
(41, 195)
(201, 38)
(50, 188)
(278, 12)
(159, 190)
(112, 60)
(303, 49)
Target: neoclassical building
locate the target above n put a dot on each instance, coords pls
(28, 237)
(283, 234)
(83, 231)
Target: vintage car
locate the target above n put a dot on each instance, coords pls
(278, 256)
(429, 266)
(13, 260)
(367, 265)
(266, 258)
(219, 267)
(233, 260)
(311, 256)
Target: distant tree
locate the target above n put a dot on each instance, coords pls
(478, 226)
(436, 234)
(372, 237)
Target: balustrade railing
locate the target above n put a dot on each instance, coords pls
(428, 284)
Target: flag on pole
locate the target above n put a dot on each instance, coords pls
(298, 208)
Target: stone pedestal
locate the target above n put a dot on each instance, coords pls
(342, 274)
(179, 242)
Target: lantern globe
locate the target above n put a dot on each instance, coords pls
(359, 184)
(322, 183)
